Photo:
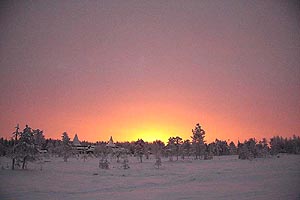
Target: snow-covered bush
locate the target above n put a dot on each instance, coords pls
(125, 162)
(103, 162)
(157, 163)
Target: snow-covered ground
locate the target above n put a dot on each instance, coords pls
(223, 177)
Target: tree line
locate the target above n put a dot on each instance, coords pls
(28, 144)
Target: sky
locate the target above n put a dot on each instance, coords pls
(150, 69)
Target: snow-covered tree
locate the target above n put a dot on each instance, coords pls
(39, 142)
(39, 138)
(285, 145)
(277, 145)
(103, 162)
(186, 148)
(262, 148)
(66, 146)
(198, 140)
(232, 148)
(173, 146)
(248, 150)
(157, 148)
(119, 153)
(102, 150)
(125, 162)
(208, 155)
(140, 148)
(157, 163)
(3, 147)
(222, 147)
(147, 150)
(211, 148)
(15, 134)
(243, 151)
(295, 143)
(25, 148)
(178, 143)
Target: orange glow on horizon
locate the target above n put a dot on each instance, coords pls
(149, 121)
(150, 126)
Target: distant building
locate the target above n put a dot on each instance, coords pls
(111, 143)
(79, 148)
(76, 141)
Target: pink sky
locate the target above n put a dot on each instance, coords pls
(150, 69)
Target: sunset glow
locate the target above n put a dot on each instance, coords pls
(150, 69)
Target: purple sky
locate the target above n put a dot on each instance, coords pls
(134, 68)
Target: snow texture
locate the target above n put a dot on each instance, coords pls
(224, 177)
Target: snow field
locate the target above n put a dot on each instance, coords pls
(224, 177)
